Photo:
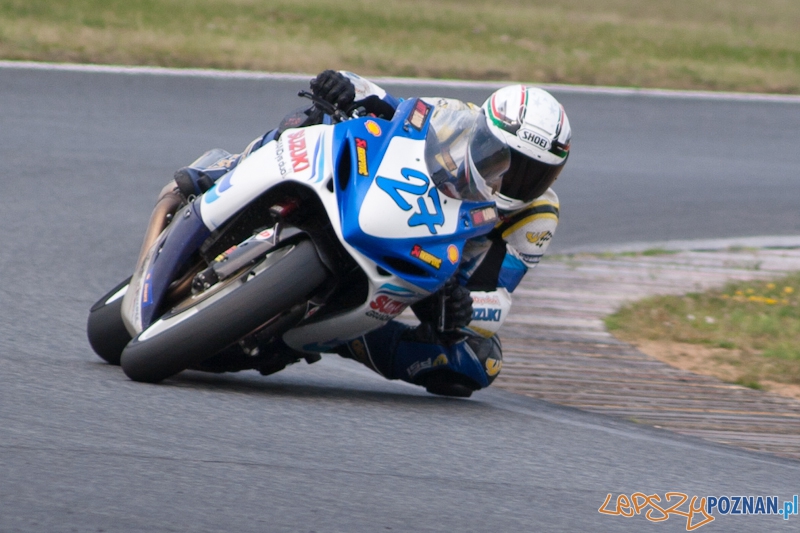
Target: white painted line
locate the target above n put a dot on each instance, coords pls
(415, 82)
(155, 71)
(765, 241)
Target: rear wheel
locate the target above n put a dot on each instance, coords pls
(105, 329)
(204, 324)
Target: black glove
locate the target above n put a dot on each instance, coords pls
(457, 306)
(335, 88)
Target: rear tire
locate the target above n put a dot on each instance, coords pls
(105, 329)
(194, 333)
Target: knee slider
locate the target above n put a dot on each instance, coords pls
(490, 353)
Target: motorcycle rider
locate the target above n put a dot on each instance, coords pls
(460, 323)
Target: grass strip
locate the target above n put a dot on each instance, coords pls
(683, 44)
(752, 327)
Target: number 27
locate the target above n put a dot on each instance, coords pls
(418, 186)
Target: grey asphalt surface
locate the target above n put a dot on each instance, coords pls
(331, 446)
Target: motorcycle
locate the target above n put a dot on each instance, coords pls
(313, 240)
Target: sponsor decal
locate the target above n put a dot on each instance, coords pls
(532, 138)
(487, 315)
(483, 215)
(265, 235)
(311, 310)
(279, 157)
(224, 255)
(359, 351)
(429, 363)
(418, 115)
(147, 291)
(297, 151)
(539, 238)
(530, 258)
(361, 156)
(700, 511)
(373, 128)
(493, 367)
(489, 299)
(426, 257)
(293, 121)
(452, 254)
(385, 308)
(416, 183)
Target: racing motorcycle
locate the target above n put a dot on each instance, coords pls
(313, 240)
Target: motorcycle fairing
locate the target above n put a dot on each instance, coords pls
(401, 269)
(298, 155)
(162, 263)
(395, 215)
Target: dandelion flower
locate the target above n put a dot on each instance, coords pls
(788, 290)
(770, 286)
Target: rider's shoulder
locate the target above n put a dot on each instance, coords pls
(548, 199)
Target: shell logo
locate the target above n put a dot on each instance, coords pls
(452, 253)
(373, 128)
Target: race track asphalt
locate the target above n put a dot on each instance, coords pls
(331, 446)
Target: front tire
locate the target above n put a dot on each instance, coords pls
(194, 333)
(105, 329)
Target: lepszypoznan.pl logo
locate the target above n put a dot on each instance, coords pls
(700, 511)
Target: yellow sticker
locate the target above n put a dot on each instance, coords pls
(373, 128)
(493, 367)
(452, 253)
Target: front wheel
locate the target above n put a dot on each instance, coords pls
(105, 329)
(193, 332)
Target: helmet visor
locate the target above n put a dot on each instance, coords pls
(488, 157)
(485, 159)
(528, 178)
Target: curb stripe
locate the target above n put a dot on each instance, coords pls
(425, 82)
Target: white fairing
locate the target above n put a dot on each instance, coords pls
(380, 212)
(299, 155)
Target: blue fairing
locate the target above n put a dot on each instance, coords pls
(186, 235)
(392, 254)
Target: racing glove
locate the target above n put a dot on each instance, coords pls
(335, 88)
(457, 306)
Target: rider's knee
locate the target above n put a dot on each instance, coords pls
(490, 354)
(450, 369)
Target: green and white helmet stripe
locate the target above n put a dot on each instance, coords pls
(531, 121)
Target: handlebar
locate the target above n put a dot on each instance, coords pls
(325, 106)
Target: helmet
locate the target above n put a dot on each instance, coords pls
(536, 129)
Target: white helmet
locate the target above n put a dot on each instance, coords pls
(536, 129)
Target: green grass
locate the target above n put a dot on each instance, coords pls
(759, 319)
(708, 44)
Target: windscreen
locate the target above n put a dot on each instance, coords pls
(465, 159)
